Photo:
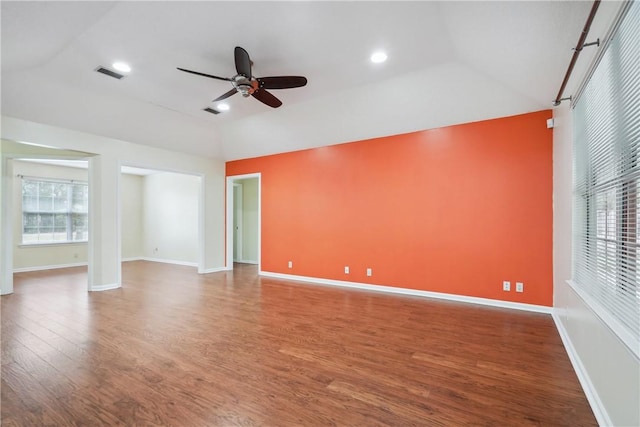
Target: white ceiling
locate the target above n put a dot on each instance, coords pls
(449, 62)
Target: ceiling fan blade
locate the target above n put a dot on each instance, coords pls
(226, 95)
(266, 98)
(282, 82)
(205, 75)
(243, 63)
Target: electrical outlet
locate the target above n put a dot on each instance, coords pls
(290, 264)
(506, 286)
(346, 269)
(519, 287)
(369, 272)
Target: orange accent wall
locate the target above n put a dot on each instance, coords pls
(457, 209)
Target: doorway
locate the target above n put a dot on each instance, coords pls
(243, 220)
(161, 216)
(51, 211)
(11, 206)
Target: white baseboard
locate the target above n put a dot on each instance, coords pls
(49, 267)
(597, 406)
(212, 270)
(107, 287)
(412, 292)
(169, 261)
(245, 261)
(84, 264)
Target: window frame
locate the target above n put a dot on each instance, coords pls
(605, 246)
(69, 212)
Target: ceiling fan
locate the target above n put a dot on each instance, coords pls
(247, 84)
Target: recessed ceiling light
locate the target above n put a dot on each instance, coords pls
(121, 66)
(378, 57)
(223, 107)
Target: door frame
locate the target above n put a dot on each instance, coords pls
(229, 218)
(239, 218)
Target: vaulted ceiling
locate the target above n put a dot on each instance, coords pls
(448, 63)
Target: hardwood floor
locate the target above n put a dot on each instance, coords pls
(172, 347)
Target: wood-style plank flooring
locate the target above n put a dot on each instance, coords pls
(175, 348)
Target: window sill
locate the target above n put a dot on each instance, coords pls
(38, 245)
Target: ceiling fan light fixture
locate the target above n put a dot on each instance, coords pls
(245, 90)
(121, 66)
(378, 57)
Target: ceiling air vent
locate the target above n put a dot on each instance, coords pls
(109, 73)
(211, 110)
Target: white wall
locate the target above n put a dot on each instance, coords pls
(609, 372)
(171, 217)
(131, 220)
(30, 257)
(104, 174)
(249, 220)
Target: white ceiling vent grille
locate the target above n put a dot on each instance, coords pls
(109, 73)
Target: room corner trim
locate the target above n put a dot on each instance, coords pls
(48, 267)
(598, 408)
(169, 261)
(107, 287)
(132, 259)
(212, 270)
(412, 292)
(246, 261)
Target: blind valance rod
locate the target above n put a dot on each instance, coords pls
(52, 180)
(576, 52)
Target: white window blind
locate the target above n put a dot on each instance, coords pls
(606, 258)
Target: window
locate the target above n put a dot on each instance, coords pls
(54, 211)
(606, 208)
